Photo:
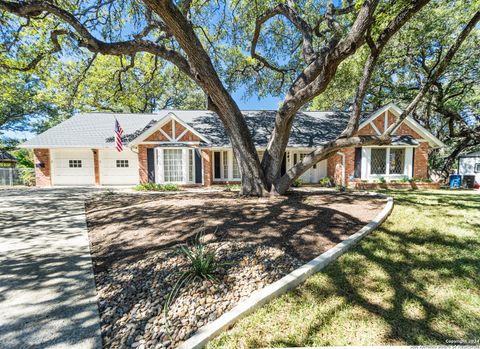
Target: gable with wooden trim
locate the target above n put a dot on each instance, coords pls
(378, 123)
(169, 129)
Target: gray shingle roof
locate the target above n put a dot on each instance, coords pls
(95, 130)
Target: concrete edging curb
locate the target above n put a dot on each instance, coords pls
(289, 281)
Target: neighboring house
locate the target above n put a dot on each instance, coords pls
(7, 160)
(192, 148)
(469, 168)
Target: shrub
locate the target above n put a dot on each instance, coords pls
(341, 188)
(203, 265)
(232, 187)
(156, 187)
(27, 176)
(326, 181)
(380, 180)
(297, 183)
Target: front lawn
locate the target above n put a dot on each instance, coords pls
(415, 281)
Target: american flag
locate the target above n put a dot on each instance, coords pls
(118, 136)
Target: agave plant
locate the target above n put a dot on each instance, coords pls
(203, 265)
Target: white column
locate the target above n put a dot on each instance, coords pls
(366, 153)
(160, 177)
(408, 170)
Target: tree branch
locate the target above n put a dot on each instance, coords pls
(376, 49)
(289, 13)
(282, 184)
(87, 40)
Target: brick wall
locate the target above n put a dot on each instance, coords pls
(42, 174)
(207, 167)
(420, 162)
(335, 165)
(142, 161)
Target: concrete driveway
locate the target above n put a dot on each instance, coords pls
(47, 290)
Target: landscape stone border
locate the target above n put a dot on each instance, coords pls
(289, 281)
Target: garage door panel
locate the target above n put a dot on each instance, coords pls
(63, 174)
(110, 174)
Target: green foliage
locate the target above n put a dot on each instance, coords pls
(326, 181)
(380, 180)
(405, 179)
(232, 187)
(27, 176)
(297, 183)
(24, 157)
(156, 187)
(203, 264)
(341, 188)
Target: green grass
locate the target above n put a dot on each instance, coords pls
(156, 187)
(414, 281)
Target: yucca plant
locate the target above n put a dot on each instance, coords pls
(203, 265)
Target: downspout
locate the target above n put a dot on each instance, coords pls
(343, 166)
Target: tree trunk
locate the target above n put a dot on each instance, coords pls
(220, 101)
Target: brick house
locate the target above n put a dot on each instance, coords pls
(192, 148)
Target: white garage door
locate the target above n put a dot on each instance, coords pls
(73, 167)
(118, 168)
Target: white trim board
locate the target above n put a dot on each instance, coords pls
(158, 126)
(434, 141)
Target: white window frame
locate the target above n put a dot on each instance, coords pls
(160, 169)
(367, 158)
(476, 167)
(226, 172)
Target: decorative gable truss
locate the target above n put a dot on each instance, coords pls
(379, 122)
(169, 129)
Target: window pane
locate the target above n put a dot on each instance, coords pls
(378, 161)
(397, 161)
(216, 164)
(225, 164)
(122, 163)
(236, 170)
(190, 165)
(75, 163)
(173, 165)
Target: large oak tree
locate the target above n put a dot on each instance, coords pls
(298, 44)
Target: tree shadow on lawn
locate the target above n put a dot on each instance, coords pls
(304, 224)
(443, 198)
(411, 277)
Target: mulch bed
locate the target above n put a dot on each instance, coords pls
(134, 238)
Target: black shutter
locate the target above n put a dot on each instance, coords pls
(216, 165)
(151, 165)
(357, 172)
(283, 169)
(198, 166)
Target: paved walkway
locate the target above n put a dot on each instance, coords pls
(47, 290)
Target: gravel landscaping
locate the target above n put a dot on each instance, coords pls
(134, 240)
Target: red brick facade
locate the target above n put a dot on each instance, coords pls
(420, 161)
(420, 158)
(207, 167)
(42, 167)
(142, 161)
